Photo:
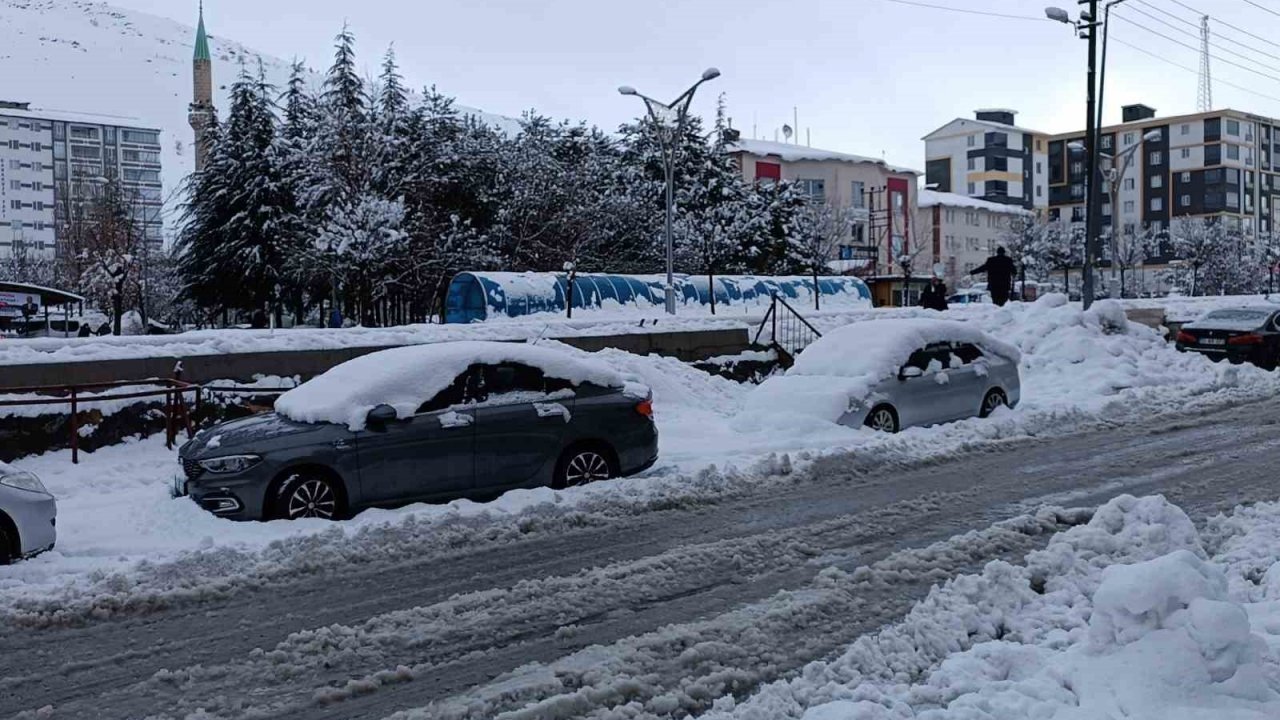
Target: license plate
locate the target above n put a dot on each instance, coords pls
(1213, 341)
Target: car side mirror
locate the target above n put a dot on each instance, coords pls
(909, 371)
(381, 415)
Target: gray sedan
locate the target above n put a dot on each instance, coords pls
(28, 515)
(497, 426)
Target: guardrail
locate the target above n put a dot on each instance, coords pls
(178, 417)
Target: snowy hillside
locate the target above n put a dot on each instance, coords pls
(89, 57)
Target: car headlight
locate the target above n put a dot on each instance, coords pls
(23, 481)
(230, 463)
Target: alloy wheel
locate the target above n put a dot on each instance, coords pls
(882, 420)
(586, 467)
(993, 400)
(312, 498)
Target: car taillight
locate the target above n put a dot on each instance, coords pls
(645, 408)
(1250, 339)
(1186, 338)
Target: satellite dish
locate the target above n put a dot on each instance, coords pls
(939, 270)
(787, 131)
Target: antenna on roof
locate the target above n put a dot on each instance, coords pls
(808, 137)
(787, 132)
(795, 119)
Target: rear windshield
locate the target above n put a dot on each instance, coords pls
(1258, 316)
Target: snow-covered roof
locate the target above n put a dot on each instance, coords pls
(795, 153)
(930, 198)
(79, 117)
(985, 123)
(407, 377)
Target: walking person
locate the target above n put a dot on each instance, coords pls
(999, 270)
(934, 296)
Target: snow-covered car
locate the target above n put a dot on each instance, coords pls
(28, 515)
(1244, 334)
(424, 423)
(969, 297)
(892, 374)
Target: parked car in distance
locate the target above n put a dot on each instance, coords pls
(1244, 334)
(424, 423)
(28, 515)
(969, 297)
(891, 374)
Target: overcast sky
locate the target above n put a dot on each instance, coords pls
(867, 76)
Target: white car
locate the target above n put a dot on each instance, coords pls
(28, 515)
(892, 374)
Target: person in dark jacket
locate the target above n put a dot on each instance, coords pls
(934, 296)
(999, 270)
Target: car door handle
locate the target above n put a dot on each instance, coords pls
(341, 445)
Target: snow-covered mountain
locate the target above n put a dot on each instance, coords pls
(91, 57)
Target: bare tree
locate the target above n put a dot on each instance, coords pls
(816, 233)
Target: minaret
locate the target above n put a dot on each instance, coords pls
(201, 113)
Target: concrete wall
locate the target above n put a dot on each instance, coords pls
(687, 346)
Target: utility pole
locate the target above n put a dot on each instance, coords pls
(1091, 171)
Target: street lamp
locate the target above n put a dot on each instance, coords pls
(1086, 28)
(669, 140)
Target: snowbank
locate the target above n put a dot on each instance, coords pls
(407, 377)
(1126, 616)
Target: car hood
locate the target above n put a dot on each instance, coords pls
(1224, 324)
(256, 432)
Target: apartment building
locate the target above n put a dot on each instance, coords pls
(963, 232)
(53, 162)
(988, 157)
(880, 196)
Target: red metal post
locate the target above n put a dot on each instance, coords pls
(75, 430)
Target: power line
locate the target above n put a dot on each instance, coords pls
(986, 13)
(1264, 8)
(1216, 21)
(1224, 23)
(1192, 70)
(1217, 45)
(1197, 50)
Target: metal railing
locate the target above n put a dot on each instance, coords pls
(789, 332)
(173, 391)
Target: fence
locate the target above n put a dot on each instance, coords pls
(789, 332)
(175, 392)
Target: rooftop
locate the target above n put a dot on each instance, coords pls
(77, 117)
(930, 198)
(794, 153)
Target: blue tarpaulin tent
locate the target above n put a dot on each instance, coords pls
(479, 296)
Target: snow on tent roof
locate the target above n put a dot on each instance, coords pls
(407, 377)
(794, 153)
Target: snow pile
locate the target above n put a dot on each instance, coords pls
(407, 377)
(844, 365)
(1127, 616)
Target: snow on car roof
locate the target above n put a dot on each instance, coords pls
(407, 377)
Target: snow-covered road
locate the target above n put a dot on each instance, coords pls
(623, 610)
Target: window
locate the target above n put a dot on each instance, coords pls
(971, 218)
(15, 204)
(1233, 200)
(973, 140)
(973, 189)
(1129, 183)
(38, 206)
(86, 151)
(13, 145)
(1128, 206)
(59, 131)
(16, 224)
(1157, 181)
(1157, 158)
(857, 189)
(37, 147)
(60, 151)
(1186, 129)
(1128, 138)
(1212, 154)
(1157, 204)
(15, 165)
(1106, 142)
(973, 163)
(37, 186)
(967, 353)
(141, 137)
(816, 190)
(1077, 167)
(37, 167)
(1039, 191)
(1233, 152)
(1077, 190)
(15, 185)
(1186, 153)
(1233, 127)
(80, 132)
(461, 390)
(1039, 168)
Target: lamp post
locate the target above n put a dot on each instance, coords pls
(669, 141)
(1113, 176)
(1086, 28)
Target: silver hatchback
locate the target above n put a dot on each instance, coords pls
(28, 515)
(891, 374)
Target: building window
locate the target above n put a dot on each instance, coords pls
(973, 141)
(1039, 191)
(1077, 167)
(857, 189)
(1039, 168)
(1186, 129)
(1077, 191)
(1233, 200)
(15, 185)
(1186, 153)
(1233, 127)
(81, 132)
(1157, 204)
(1128, 206)
(140, 137)
(1233, 152)
(1128, 138)
(1130, 183)
(1157, 158)
(86, 151)
(1186, 177)
(973, 189)
(973, 163)
(816, 190)
(15, 204)
(1157, 181)
(1106, 142)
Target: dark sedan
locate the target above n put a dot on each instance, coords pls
(509, 416)
(1239, 335)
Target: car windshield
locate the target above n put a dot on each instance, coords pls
(1239, 315)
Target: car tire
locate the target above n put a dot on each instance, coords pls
(994, 399)
(584, 464)
(882, 418)
(308, 494)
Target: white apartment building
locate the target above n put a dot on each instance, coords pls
(988, 157)
(963, 231)
(51, 162)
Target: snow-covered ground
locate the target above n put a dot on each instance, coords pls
(1078, 370)
(1135, 614)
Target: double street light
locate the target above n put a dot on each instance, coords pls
(1086, 28)
(669, 120)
